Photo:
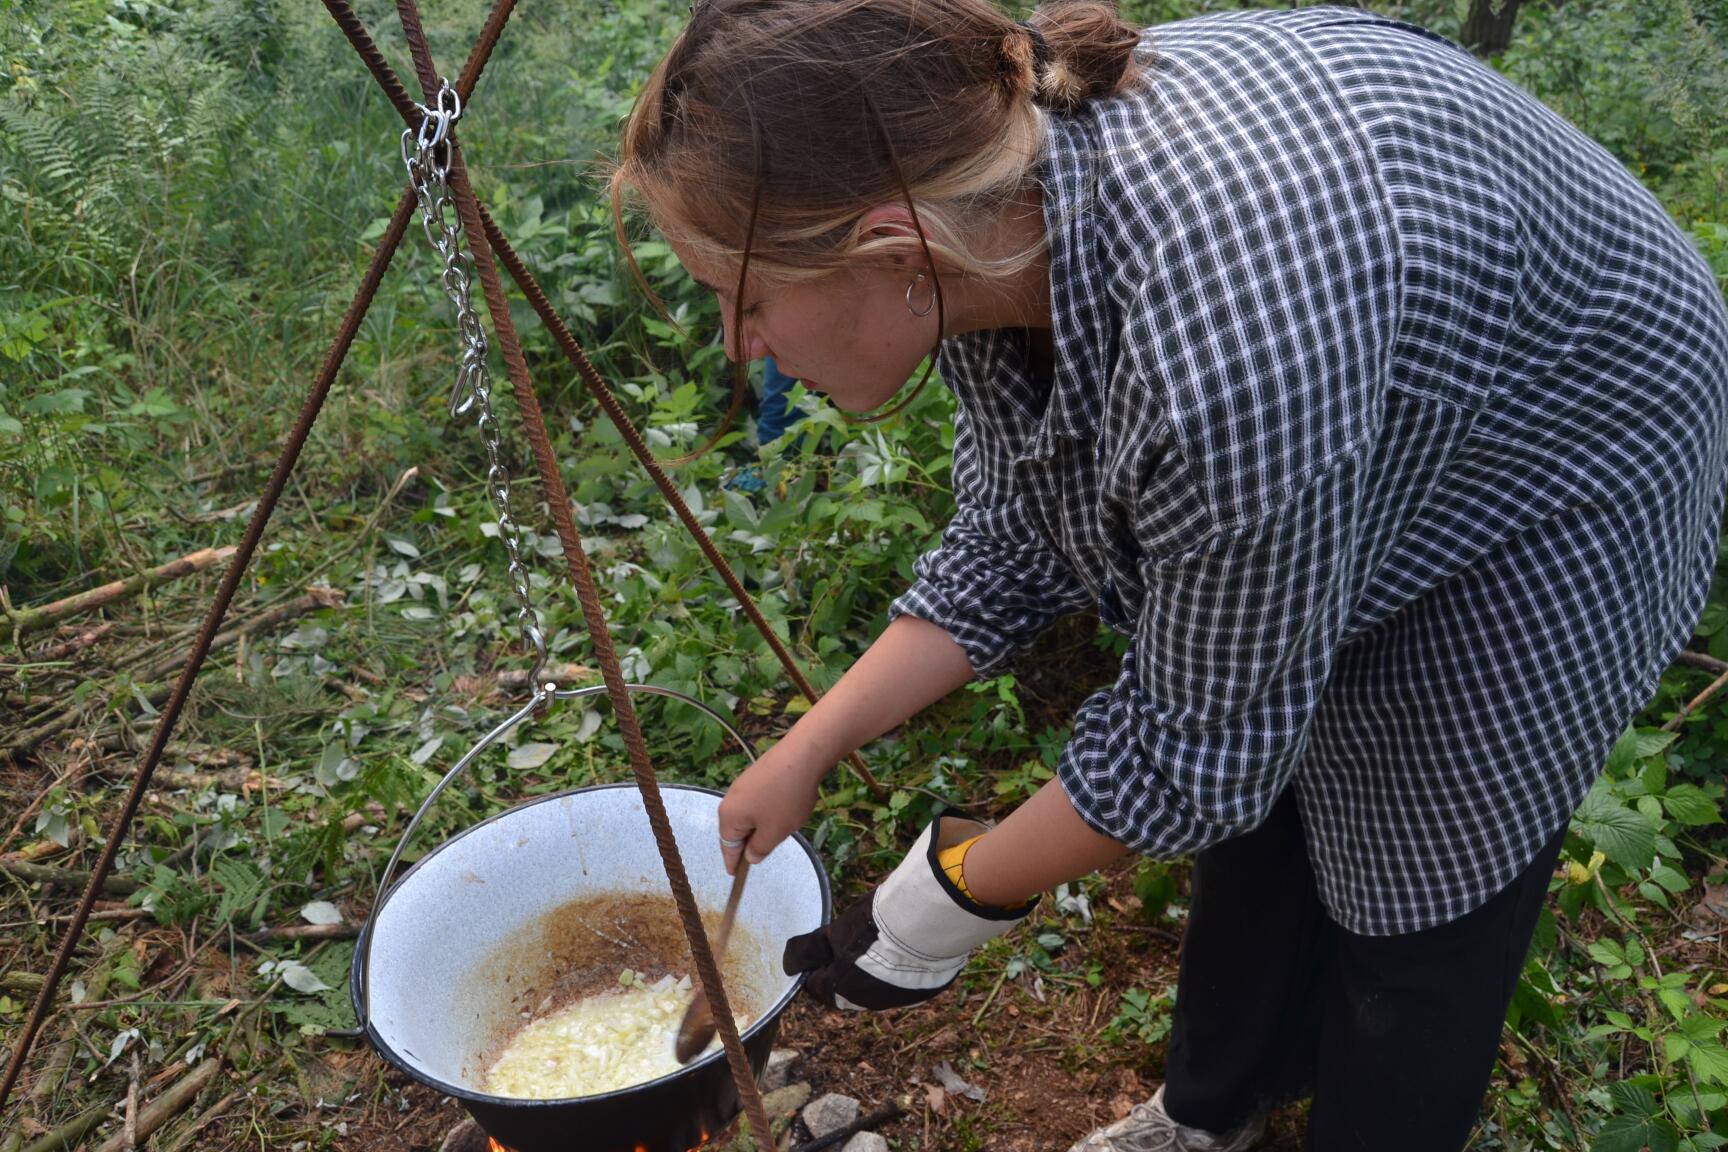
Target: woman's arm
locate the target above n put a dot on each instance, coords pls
(909, 667)
(1041, 844)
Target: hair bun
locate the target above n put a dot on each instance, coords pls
(1090, 51)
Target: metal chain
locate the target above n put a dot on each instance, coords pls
(427, 155)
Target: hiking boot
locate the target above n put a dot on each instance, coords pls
(1149, 1129)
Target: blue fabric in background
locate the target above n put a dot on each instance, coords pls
(778, 413)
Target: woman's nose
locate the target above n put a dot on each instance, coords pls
(753, 347)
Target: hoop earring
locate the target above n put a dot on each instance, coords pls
(910, 288)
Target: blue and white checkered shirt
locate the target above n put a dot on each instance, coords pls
(1388, 418)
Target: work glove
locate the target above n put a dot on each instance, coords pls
(908, 939)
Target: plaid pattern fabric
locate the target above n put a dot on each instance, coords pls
(1388, 419)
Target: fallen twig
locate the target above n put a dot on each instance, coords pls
(69, 1133)
(30, 620)
(166, 1106)
(889, 1111)
(1696, 702)
(21, 983)
(73, 645)
(130, 1131)
(342, 931)
(1701, 660)
(215, 1111)
(314, 599)
(67, 877)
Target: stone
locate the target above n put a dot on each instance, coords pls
(781, 1067)
(787, 1100)
(465, 1137)
(865, 1142)
(830, 1113)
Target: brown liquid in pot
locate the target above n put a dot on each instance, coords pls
(578, 950)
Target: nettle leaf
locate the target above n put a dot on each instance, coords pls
(1709, 1060)
(1606, 952)
(1688, 804)
(1648, 742)
(1623, 755)
(1670, 878)
(1636, 1134)
(1633, 1099)
(1620, 833)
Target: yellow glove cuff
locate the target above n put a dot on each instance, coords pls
(952, 862)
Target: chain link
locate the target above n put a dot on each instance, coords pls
(427, 154)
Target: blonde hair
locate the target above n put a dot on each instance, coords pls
(771, 126)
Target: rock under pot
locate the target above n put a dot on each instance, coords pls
(461, 949)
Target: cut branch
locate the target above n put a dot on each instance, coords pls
(66, 877)
(304, 932)
(1701, 660)
(167, 1106)
(69, 1133)
(1696, 703)
(31, 739)
(74, 644)
(30, 620)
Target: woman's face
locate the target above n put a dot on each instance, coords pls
(849, 335)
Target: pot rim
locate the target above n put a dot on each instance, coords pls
(770, 1015)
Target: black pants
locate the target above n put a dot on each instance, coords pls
(1393, 1036)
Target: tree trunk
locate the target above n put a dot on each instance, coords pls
(1488, 27)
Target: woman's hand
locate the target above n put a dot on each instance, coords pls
(769, 801)
(911, 665)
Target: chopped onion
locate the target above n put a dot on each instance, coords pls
(598, 1044)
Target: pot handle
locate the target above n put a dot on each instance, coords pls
(543, 695)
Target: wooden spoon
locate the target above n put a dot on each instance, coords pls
(697, 1029)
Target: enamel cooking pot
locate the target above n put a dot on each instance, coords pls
(434, 1001)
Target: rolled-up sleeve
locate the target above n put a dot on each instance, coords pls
(1209, 715)
(993, 584)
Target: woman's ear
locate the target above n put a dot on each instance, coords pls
(890, 222)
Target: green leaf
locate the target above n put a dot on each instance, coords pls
(1633, 1099)
(1648, 742)
(1635, 1134)
(1607, 953)
(1529, 1003)
(1679, 1004)
(65, 402)
(1688, 804)
(1701, 1026)
(1621, 834)
(1709, 1060)
(1623, 755)
(1670, 878)
(1655, 776)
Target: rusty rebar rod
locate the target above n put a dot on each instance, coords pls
(286, 460)
(588, 594)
